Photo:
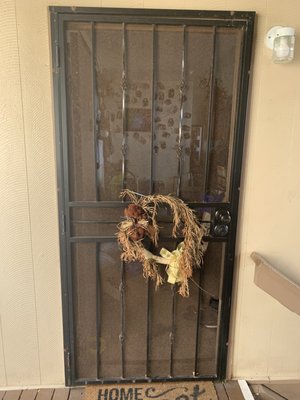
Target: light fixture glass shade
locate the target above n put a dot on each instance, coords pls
(281, 40)
(283, 46)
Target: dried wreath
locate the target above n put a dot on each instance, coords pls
(141, 222)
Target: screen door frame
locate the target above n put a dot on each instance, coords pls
(59, 15)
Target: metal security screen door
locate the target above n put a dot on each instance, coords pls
(153, 101)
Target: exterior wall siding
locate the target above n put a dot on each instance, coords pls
(19, 344)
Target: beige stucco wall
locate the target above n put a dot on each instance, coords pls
(265, 336)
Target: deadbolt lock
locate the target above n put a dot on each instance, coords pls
(223, 216)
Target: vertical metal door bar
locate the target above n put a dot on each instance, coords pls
(241, 112)
(65, 190)
(153, 104)
(196, 371)
(172, 333)
(148, 344)
(151, 188)
(60, 122)
(182, 87)
(98, 318)
(122, 334)
(210, 110)
(124, 149)
(94, 118)
(221, 305)
(124, 89)
(94, 107)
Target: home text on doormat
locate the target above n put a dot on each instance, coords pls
(159, 391)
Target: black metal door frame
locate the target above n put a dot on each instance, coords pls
(59, 15)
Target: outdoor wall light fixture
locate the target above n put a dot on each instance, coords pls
(281, 39)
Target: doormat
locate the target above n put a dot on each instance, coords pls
(203, 390)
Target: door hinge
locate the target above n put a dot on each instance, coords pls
(68, 360)
(63, 224)
(57, 55)
(229, 302)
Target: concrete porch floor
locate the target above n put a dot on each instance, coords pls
(229, 390)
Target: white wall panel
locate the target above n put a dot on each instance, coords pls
(33, 31)
(2, 360)
(17, 292)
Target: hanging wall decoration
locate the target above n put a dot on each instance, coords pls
(141, 223)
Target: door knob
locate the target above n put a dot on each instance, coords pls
(221, 230)
(223, 216)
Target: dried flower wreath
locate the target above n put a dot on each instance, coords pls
(141, 221)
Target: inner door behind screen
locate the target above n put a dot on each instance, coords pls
(153, 102)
